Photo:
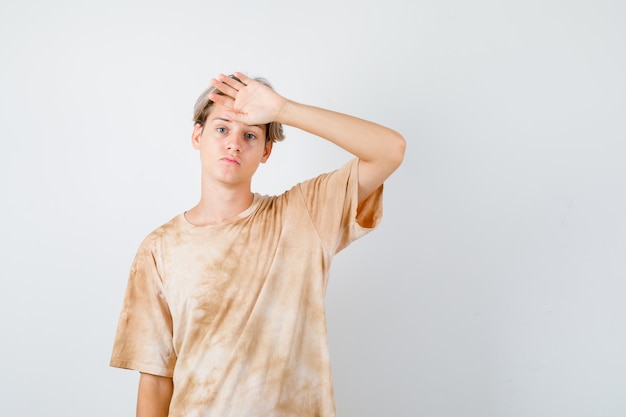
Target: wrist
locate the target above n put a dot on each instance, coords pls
(285, 112)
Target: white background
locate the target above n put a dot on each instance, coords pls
(495, 285)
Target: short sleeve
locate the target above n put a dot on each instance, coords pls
(143, 340)
(332, 200)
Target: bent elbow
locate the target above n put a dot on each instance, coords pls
(397, 149)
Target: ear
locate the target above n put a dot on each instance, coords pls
(267, 151)
(196, 135)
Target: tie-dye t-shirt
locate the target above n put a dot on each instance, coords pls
(234, 312)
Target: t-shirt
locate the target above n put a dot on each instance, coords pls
(234, 312)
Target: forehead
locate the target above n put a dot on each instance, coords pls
(218, 113)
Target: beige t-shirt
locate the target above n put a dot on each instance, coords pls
(234, 312)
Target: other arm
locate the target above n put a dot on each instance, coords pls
(154, 395)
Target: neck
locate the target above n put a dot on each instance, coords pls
(219, 204)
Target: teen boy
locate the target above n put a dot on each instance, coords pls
(224, 308)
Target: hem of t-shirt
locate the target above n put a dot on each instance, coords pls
(371, 206)
(370, 210)
(142, 367)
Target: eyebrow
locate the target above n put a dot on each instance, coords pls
(229, 121)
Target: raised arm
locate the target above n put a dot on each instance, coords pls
(380, 150)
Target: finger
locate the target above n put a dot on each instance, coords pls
(226, 101)
(231, 81)
(243, 77)
(223, 87)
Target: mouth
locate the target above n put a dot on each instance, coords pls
(231, 160)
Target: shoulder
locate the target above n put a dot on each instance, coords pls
(339, 175)
(331, 184)
(167, 230)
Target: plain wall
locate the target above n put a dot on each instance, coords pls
(495, 284)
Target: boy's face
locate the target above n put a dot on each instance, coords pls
(230, 151)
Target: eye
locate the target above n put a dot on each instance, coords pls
(250, 136)
(221, 130)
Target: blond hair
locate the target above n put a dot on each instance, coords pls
(202, 108)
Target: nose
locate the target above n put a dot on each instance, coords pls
(234, 142)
